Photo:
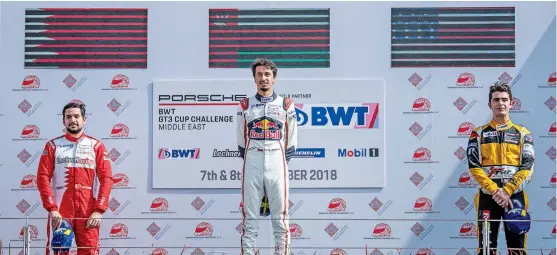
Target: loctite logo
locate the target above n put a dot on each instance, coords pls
(33, 232)
(119, 230)
(203, 229)
(120, 130)
(466, 80)
(337, 205)
(30, 131)
(338, 251)
(31, 82)
(120, 81)
(421, 105)
(422, 204)
(295, 230)
(29, 181)
(120, 180)
(421, 154)
(159, 204)
(468, 229)
(551, 79)
(382, 230)
(465, 129)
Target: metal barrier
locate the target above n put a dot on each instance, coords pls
(27, 247)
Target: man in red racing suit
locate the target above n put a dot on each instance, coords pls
(76, 164)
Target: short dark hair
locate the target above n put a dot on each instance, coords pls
(500, 86)
(264, 62)
(81, 106)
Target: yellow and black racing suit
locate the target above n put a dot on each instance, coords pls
(500, 156)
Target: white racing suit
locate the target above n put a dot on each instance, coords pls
(267, 138)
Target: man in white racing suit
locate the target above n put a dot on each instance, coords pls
(267, 138)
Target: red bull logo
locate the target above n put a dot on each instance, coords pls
(120, 130)
(551, 79)
(468, 229)
(295, 230)
(30, 132)
(28, 181)
(120, 81)
(421, 105)
(31, 82)
(159, 204)
(203, 229)
(465, 129)
(382, 230)
(337, 205)
(422, 204)
(120, 180)
(466, 80)
(118, 230)
(422, 154)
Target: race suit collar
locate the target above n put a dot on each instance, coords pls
(73, 139)
(500, 127)
(268, 99)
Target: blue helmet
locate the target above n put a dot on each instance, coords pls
(62, 237)
(517, 213)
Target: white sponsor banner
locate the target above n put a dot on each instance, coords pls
(341, 133)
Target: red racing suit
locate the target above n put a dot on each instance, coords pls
(76, 167)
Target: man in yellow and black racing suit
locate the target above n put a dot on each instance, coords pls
(500, 159)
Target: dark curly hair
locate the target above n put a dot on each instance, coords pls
(74, 105)
(500, 87)
(264, 62)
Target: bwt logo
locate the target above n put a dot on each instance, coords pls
(347, 116)
(192, 153)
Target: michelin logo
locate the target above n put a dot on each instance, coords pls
(309, 153)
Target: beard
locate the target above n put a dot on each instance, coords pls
(264, 89)
(73, 131)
